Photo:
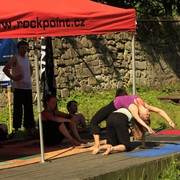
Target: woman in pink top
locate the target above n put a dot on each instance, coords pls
(137, 107)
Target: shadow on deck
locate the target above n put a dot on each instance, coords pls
(116, 166)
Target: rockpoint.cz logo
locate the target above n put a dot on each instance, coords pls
(43, 23)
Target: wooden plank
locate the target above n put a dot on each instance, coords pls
(97, 167)
(173, 97)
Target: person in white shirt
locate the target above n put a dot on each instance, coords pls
(19, 70)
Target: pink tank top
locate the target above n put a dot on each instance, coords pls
(124, 101)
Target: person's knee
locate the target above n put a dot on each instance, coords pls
(62, 126)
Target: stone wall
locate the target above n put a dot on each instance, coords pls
(105, 61)
(160, 44)
(96, 62)
(92, 62)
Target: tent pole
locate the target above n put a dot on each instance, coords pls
(39, 107)
(9, 104)
(133, 65)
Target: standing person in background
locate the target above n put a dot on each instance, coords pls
(19, 70)
(79, 119)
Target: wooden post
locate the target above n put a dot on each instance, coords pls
(9, 104)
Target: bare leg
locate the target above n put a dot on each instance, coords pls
(96, 144)
(65, 132)
(109, 148)
(73, 128)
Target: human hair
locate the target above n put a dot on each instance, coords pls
(20, 43)
(121, 92)
(46, 99)
(69, 104)
(138, 129)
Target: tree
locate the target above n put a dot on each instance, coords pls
(148, 8)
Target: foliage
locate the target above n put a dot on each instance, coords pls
(90, 103)
(148, 8)
(150, 96)
(172, 172)
(4, 116)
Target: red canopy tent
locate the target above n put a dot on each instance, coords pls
(37, 18)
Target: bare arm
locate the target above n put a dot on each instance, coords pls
(8, 66)
(162, 114)
(62, 114)
(134, 111)
(49, 116)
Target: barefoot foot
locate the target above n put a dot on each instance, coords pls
(108, 150)
(95, 150)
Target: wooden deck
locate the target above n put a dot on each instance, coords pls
(173, 97)
(116, 166)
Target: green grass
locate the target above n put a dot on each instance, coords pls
(172, 109)
(90, 103)
(171, 172)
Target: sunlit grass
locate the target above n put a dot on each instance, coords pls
(171, 172)
(90, 103)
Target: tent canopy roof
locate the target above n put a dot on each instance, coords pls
(37, 18)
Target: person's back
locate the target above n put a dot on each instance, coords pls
(124, 101)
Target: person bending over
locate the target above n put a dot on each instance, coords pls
(137, 107)
(144, 113)
(118, 131)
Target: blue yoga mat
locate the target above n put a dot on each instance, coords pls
(157, 151)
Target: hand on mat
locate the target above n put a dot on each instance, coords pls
(171, 123)
(150, 130)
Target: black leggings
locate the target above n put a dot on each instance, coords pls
(100, 116)
(117, 130)
(23, 106)
(51, 132)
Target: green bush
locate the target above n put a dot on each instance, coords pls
(172, 172)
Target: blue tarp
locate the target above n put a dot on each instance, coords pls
(157, 151)
(7, 49)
